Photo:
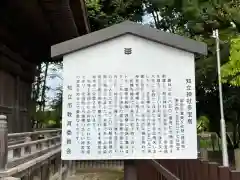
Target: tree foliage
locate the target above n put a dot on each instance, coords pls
(231, 69)
(195, 19)
(103, 13)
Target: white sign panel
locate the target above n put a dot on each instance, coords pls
(136, 109)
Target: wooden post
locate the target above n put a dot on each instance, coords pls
(198, 143)
(18, 126)
(237, 158)
(3, 142)
(64, 175)
(130, 172)
(45, 171)
(204, 154)
(70, 168)
(74, 168)
(58, 164)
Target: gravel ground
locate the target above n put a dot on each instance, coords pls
(98, 174)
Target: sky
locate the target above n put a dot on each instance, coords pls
(56, 82)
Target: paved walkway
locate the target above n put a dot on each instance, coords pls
(98, 174)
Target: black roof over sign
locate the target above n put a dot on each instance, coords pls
(128, 27)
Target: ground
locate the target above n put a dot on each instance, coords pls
(98, 174)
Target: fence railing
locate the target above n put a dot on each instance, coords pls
(118, 164)
(198, 170)
(38, 154)
(183, 170)
(31, 154)
(152, 169)
(211, 140)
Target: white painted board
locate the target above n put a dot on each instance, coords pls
(139, 105)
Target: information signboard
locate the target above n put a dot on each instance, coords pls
(129, 103)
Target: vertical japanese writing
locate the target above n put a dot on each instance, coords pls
(170, 117)
(88, 114)
(121, 111)
(182, 124)
(69, 118)
(189, 100)
(105, 115)
(127, 115)
(93, 108)
(83, 112)
(116, 113)
(177, 119)
(99, 115)
(143, 116)
(148, 115)
(132, 101)
(154, 115)
(165, 115)
(158, 113)
(110, 114)
(78, 103)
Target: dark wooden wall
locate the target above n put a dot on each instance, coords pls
(27, 31)
(15, 90)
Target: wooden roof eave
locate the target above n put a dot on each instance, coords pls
(81, 19)
(30, 29)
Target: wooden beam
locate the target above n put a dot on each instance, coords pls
(31, 28)
(6, 109)
(28, 20)
(14, 68)
(9, 66)
(24, 29)
(16, 57)
(80, 17)
(59, 16)
(85, 15)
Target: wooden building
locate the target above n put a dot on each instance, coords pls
(27, 31)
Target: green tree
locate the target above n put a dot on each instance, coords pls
(221, 15)
(104, 13)
(197, 19)
(231, 69)
(40, 112)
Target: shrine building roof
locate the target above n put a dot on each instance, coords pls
(128, 27)
(28, 29)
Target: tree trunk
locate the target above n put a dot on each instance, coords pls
(155, 20)
(158, 20)
(43, 97)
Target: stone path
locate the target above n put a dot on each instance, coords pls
(98, 174)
